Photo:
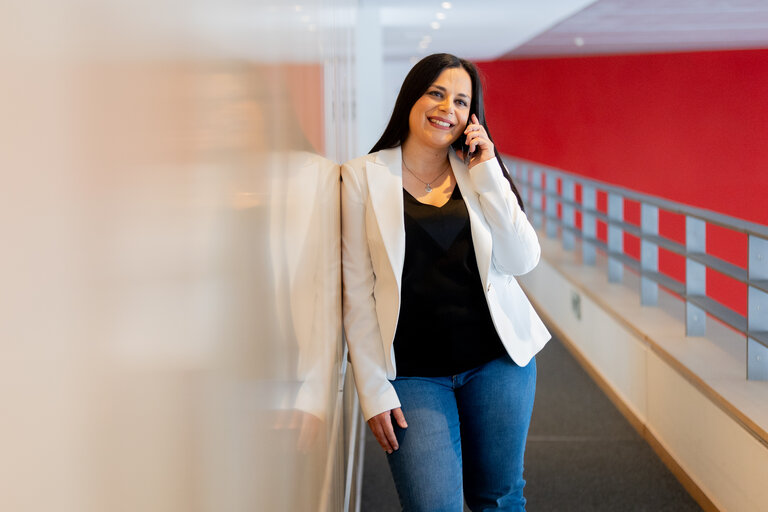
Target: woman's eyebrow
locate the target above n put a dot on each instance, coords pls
(443, 89)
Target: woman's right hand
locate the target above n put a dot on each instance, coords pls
(384, 431)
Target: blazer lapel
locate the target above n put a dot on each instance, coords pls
(481, 234)
(385, 188)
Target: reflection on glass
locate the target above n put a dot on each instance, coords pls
(170, 314)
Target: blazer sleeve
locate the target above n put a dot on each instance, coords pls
(361, 324)
(516, 249)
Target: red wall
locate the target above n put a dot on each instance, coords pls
(691, 127)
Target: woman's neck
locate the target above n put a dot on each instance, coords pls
(423, 159)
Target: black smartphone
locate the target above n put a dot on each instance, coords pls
(465, 146)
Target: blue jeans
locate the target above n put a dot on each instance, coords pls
(465, 438)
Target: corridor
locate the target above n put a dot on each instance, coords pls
(582, 455)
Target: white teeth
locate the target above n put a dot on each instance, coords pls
(440, 123)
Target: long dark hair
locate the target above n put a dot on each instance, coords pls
(416, 83)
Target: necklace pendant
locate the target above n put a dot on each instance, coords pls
(428, 188)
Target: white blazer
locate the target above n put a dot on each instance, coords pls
(373, 252)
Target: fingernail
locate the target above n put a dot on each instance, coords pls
(389, 452)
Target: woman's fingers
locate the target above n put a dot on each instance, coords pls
(378, 433)
(478, 138)
(399, 418)
(383, 431)
(475, 131)
(472, 141)
(377, 427)
(389, 433)
(479, 144)
(473, 127)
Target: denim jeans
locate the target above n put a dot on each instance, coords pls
(465, 438)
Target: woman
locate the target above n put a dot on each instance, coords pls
(440, 334)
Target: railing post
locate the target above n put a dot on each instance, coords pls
(588, 223)
(568, 216)
(538, 202)
(695, 276)
(515, 172)
(615, 237)
(757, 310)
(551, 204)
(523, 184)
(649, 254)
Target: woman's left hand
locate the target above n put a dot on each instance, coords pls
(480, 146)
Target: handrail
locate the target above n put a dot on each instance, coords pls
(711, 217)
(543, 201)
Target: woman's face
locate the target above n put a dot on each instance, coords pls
(439, 117)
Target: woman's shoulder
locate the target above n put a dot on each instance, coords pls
(354, 174)
(360, 162)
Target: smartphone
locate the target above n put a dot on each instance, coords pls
(465, 150)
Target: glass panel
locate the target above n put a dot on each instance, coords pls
(171, 285)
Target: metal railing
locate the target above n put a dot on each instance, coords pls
(539, 186)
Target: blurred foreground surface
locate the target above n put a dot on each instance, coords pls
(170, 307)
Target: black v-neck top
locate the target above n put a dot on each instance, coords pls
(444, 327)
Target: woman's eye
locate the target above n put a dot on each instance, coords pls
(461, 102)
(437, 94)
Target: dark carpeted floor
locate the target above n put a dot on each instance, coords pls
(582, 455)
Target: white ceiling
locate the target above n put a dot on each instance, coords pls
(487, 29)
(477, 29)
(629, 26)
(282, 30)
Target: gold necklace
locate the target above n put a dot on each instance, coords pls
(428, 186)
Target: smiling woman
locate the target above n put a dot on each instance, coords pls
(437, 118)
(439, 331)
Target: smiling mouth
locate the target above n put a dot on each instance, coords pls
(440, 123)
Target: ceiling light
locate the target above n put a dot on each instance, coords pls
(446, 5)
(578, 41)
(423, 45)
(305, 19)
(435, 25)
(297, 8)
(414, 60)
(440, 15)
(427, 39)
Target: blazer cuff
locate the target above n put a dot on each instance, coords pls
(387, 400)
(313, 398)
(487, 176)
